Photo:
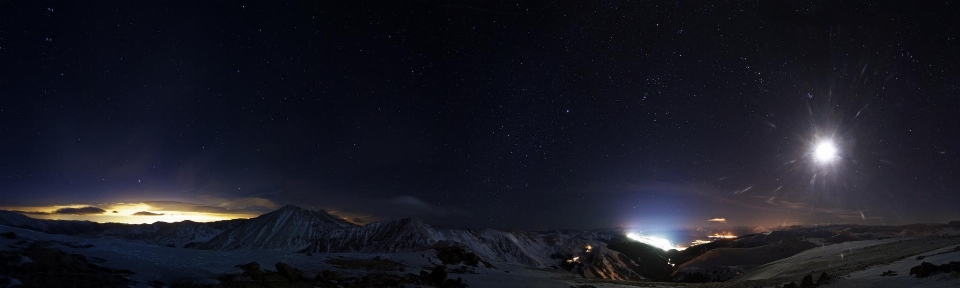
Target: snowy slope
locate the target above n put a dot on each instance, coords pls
(288, 228)
(871, 277)
(748, 256)
(848, 257)
(722, 264)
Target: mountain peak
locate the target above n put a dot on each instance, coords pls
(295, 208)
(286, 228)
(290, 207)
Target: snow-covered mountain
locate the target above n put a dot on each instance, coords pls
(395, 235)
(290, 227)
(189, 233)
(185, 233)
(535, 249)
(178, 234)
(605, 263)
(69, 227)
(412, 234)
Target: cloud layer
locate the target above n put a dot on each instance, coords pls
(147, 213)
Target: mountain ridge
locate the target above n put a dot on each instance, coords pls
(597, 253)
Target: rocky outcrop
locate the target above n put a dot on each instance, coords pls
(926, 269)
(452, 253)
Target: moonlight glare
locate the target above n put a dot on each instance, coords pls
(825, 152)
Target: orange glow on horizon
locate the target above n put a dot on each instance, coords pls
(723, 236)
(699, 242)
(124, 213)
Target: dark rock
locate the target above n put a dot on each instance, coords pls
(425, 276)
(439, 275)
(955, 266)
(807, 282)
(923, 270)
(329, 275)
(251, 270)
(791, 285)
(271, 279)
(288, 272)
(9, 235)
(823, 279)
(68, 259)
(944, 268)
(889, 273)
(453, 253)
(454, 283)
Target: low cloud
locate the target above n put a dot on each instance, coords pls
(244, 206)
(80, 211)
(147, 213)
(721, 220)
(245, 203)
(89, 210)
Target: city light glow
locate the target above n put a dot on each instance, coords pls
(653, 241)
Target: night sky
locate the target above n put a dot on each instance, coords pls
(538, 115)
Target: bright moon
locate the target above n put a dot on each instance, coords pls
(825, 152)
